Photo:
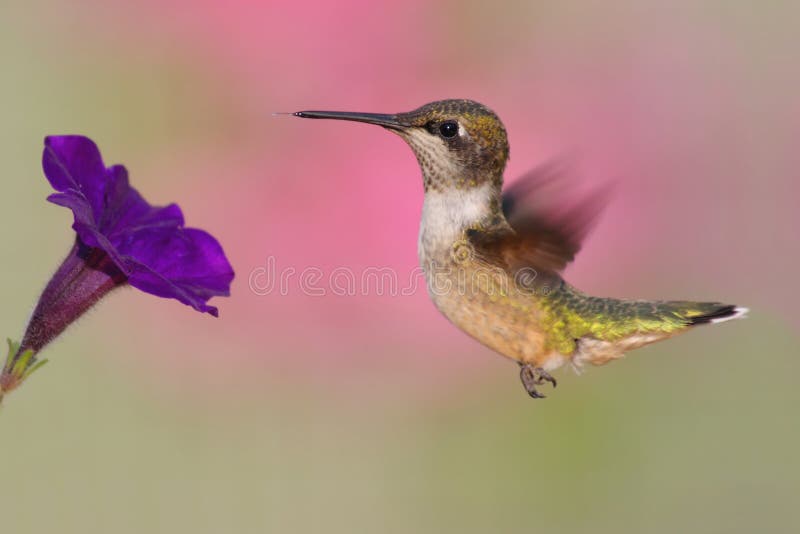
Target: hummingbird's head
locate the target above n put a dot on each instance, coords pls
(459, 144)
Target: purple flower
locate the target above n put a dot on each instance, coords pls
(121, 239)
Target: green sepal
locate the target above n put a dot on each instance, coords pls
(33, 368)
(22, 362)
(18, 367)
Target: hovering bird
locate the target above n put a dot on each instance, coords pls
(492, 259)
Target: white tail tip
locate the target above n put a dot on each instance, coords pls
(740, 312)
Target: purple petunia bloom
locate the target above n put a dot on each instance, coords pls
(149, 245)
(121, 239)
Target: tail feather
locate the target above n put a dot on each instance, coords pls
(696, 313)
(627, 317)
(605, 328)
(597, 330)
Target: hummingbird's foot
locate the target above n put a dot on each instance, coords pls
(532, 377)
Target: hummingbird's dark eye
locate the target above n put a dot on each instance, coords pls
(448, 129)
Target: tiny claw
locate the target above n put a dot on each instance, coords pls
(532, 377)
(544, 376)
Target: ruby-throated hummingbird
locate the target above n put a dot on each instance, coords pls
(492, 261)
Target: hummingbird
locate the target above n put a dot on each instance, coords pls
(493, 259)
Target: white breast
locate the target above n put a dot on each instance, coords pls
(445, 216)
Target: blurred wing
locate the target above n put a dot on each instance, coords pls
(548, 221)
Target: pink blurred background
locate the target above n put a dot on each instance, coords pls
(690, 107)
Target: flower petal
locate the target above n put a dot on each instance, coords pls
(123, 209)
(185, 264)
(147, 243)
(72, 162)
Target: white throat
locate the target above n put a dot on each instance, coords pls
(446, 214)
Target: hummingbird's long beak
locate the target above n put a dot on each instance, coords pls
(380, 119)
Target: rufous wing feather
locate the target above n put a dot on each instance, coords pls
(548, 221)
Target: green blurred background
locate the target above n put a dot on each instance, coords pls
(371, 413)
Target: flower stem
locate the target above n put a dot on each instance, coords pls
(84, 277)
